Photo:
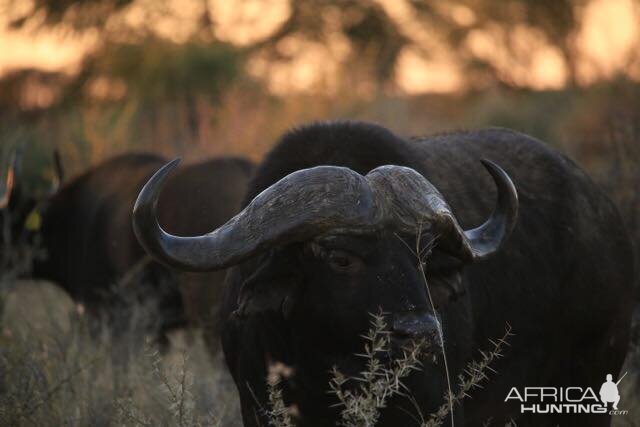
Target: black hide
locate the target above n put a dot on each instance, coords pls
(562, 281)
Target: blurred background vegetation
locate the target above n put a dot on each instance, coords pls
(97, 77)
(94, 78)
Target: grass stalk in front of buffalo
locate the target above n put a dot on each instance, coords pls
(422, 254)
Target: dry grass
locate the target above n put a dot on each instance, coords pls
(361, 397)
(52, 372)
(278, 414)
(368, 393)
(476, 372)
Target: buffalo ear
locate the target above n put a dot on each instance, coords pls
(272, 288)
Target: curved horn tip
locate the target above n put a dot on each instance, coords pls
(500, 177)
(144, 219)
(150, 191)
(488, 238)
(172, 164)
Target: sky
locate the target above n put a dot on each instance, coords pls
(609, 32)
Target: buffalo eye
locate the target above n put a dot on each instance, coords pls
(344, 262)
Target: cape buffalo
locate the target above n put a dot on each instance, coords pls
(91, 250)
(16, 205)
(326, 238)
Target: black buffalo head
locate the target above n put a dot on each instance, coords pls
(324, 247)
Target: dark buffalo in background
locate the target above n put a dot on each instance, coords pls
(317, 248)
(92, 253)
(16, 205)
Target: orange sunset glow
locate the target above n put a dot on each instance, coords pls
(605, 46)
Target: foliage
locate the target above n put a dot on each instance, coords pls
(81, 14)
(360, 402)
(361, 397)
(154, 94)
(156, 70)
(475, 373)
(375, 37)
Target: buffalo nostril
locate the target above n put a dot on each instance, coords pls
(416, 325)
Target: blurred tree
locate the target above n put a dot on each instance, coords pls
(79, 14)
(375, 38)
(152, 93)
(149, 94)
(557, 20)
(156, 70)
(161, 81)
